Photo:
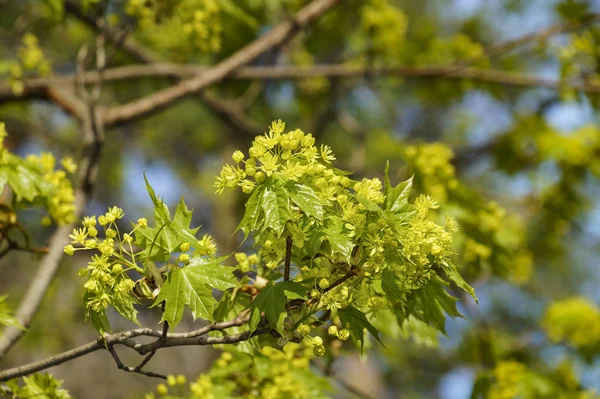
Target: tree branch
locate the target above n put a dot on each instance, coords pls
(37, 88)
(288, 258)
(275, 37)
(93, 140)
(126, 338)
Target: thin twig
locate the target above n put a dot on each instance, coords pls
(288, 258)
(137, 369)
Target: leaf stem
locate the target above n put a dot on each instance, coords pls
(288, 258)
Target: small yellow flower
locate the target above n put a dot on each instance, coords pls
(69, 165)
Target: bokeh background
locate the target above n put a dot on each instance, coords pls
(533, 151)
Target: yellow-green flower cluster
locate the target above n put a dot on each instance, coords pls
(56, 191)
(578, 57)
(31, 58)
(188, 25)
(432, 167)
(107, 281)
(459, 47)
(508, 381)
(573, 320)
(60, 204)
(246, 263)
(286, 375)
(386, 25)
(291, 155)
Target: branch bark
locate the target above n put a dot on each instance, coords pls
(275, 37)
(36, 88)
(93, 141)
(126, 338)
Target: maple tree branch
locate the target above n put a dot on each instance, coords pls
(288, 258)
(37, 87)
(215, 74)
(230, 114)
(197, 337)
(93, 143)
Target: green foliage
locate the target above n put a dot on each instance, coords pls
(575, 321)
(38, 386)
(268, 374)
(6, 315)
(187, 275)
(35, 182)
(192, 285)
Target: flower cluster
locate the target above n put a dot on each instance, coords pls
(386, 25)
(271, 374)
(61, 207)
(53, 188)
(290, 155)
(189, 25)
(108, 282)
(31, 58)
(575, 321)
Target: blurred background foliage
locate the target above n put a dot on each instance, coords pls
(516, 165)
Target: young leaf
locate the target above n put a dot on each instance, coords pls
(271, 301)
(251, 221)
(276, 207)
(212, 273)
(6, 316)
(455, 276)
(181, 289)
(307, 199)
(356, 321)
(40, 386)
(397, 197)
(430, 302)
(192, 286)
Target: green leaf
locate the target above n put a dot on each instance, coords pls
(397, 197)
(6, 315)
(430, 302)
(276, 208)
(184, 288)
(356, 321)
(272, 299)
(124, 305)
(161, 211)
(453, 274)
(389, 283)
(212, 273)
(307, 199)
(99, 321)
(39, 386)
(192, 286)
(339, 241)
(251, 220)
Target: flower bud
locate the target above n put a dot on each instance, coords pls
(333, 330)
(303, 329)
(142, 222)
(184, 258)
(317, 341)
(238, 156)
(184, 247)
(319, 350)
(69, 250)
(247, 186)
(260, 177)
(344, 334)
(324, 284)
